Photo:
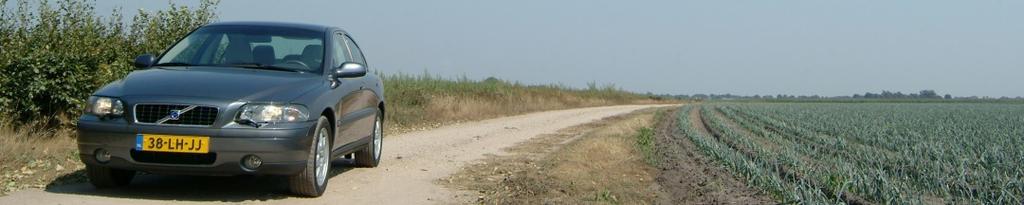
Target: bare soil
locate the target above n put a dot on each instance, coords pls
(690, 177)
(591, 163)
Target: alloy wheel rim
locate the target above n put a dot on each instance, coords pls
(321, 157)
(377, 137)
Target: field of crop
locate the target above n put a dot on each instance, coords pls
(866, 153)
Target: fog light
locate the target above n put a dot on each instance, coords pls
(102, 155)
(252, 162)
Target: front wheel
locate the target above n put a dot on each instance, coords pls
(370, 156)
(312, 181)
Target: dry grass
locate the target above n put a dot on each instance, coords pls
(33, 155)
(424, 101)
(598, 162)
(607, 166)
(454, 108)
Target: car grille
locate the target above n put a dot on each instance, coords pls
(173, 158)
(191, 115)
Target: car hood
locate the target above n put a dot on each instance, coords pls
(225, 83)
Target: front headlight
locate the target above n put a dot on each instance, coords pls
(104, 106)
(271, 113)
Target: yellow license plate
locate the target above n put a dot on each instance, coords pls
(172, 143)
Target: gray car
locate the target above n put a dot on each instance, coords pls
(239, 98)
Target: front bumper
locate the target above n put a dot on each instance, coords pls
(284, 149)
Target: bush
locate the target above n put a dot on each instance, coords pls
(52, 56)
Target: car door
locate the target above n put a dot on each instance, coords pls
(346, 90)
(361, 104)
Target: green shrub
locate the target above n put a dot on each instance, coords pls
(645, 143)
(52, 56)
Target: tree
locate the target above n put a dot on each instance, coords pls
(53, 55)
(928, 94)
(887, 94)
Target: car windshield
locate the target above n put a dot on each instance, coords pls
(249, 47)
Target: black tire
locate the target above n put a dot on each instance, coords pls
(368, 156)
(106, 177)
(305, 182)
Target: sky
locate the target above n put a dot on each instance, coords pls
(795, 47)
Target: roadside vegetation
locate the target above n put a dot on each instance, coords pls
(645, 143)
(53, 55)
(856, 153)
(425, 100)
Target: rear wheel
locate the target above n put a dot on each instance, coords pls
(312, 181)
(106, 177)
(370, 156)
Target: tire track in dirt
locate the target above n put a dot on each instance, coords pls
(687, 176)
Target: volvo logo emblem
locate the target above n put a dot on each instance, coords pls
(175, 115)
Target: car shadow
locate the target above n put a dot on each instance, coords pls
(190, 188)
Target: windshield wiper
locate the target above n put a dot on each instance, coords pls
(173, 64)
(264, 67)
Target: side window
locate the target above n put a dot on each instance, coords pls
(357, 54)
(340, 48)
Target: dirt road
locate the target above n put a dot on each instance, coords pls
(412, 163)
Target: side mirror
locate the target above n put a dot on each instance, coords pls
(144, 61)
(350, 70)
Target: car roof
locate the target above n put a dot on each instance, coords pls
(313, 27)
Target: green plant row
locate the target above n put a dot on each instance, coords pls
(755, 171)
(895, 152)
(829, 164)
